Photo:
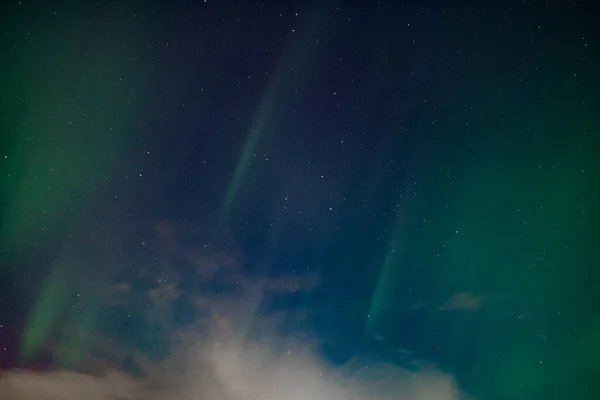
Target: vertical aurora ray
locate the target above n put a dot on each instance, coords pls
(382, 290)
(254, 136)
(389, 272)
(397, 248)
(65, 312)
(78, 84)
(295, 63)
(518, 228)
(45, 314)
(75, 344)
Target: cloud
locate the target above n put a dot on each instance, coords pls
(234, 358)
(225, 363)
(270, 367)
(207, 267)
(232, 351)
(464, 301)
(61, 385)
(164, 293)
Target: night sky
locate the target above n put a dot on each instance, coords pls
(400, 181)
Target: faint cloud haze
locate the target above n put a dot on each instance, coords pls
(464, 301)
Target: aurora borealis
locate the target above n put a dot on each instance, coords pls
(403, 183)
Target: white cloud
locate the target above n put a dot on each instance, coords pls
(235, 354)
(226, 363)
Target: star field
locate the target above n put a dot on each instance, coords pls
(426, 172)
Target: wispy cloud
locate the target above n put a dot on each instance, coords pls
(464, 301)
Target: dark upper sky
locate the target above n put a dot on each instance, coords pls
(430, 166)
